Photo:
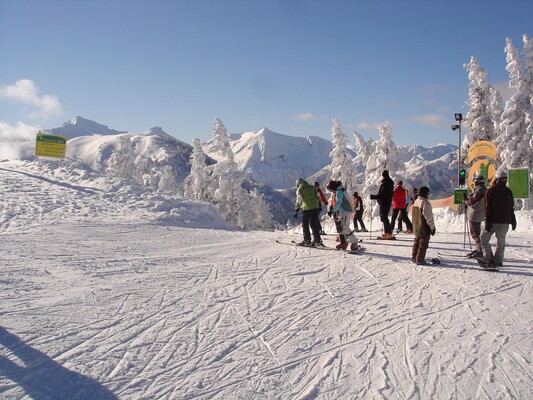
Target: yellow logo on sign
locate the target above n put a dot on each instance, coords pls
(50, 146)
(482, 148)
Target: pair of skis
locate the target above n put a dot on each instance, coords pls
(483, 267)
(293, 243)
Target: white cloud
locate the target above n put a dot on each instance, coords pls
(304, 117)
(368, 126)
(433, 120)
(16, 140)
(26, 92)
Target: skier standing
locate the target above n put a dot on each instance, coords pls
(476, 213)
(307, 198)
(324, 202)
(423, 226)
(384, 198)
(341, 209)
(399, 206)
(499, 214)
(358, 216)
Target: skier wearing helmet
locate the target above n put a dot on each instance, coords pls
(476, 213)
(499, 214)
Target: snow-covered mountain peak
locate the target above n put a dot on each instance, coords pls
(80, 126)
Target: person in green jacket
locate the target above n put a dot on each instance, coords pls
(308, 200)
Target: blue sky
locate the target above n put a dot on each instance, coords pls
(288, 65)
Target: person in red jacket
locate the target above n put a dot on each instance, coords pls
(323, 202)
(399, 206)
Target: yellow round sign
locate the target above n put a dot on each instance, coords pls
(483, 167)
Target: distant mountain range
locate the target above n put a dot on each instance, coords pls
(272, 160)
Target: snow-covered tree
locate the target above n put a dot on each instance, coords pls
(196, 185)
(496, 110)
(221, 143)
(363, 149)
(122, 161)
(385, 155)
(233, 202)
(513, 148)
(478, 120)
(342, 168)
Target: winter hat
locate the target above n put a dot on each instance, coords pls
(423, 191)
(317, 184)
(332, 185)
(355, 194)
(298, 181)
(400, 183)
(385, 174)
(501, 175)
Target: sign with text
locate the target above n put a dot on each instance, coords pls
(482, 148)
(519, 182)
(50, 146)
(459, 196)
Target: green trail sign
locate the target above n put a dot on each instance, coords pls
(519, 182)
(459, 196)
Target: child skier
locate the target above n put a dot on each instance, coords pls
(423, 226)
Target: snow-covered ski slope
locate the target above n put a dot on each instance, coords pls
(109, 291)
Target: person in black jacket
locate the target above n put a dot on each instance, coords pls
(384, 198)
(499, 214)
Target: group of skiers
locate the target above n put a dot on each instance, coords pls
(494, 206)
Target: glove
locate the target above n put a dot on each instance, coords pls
(488, 226)
(433, 232)
(295, 215)
(330, 213)
(513, 226)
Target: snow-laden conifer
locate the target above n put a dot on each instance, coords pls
(363, 149)
(385, 156)
(233, 202)
(513, 148)
(478, 120)
(196, 185)
(122, 161)
(342, 168)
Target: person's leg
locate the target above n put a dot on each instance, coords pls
(501, 232)
(423, 245)
(306, 218)
(315, 225)
(406, 220)
(414, 251)
(485, 245)
(360, 219)
(394, 216)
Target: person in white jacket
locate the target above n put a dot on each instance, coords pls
(423, 226)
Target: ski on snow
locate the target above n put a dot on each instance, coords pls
(293, 243)
(461, 258)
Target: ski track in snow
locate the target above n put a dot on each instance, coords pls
(99, 300)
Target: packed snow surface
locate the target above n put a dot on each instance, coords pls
(108, 290)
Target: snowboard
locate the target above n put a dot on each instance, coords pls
(293, 243)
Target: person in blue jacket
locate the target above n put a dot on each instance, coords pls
(341, 210)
